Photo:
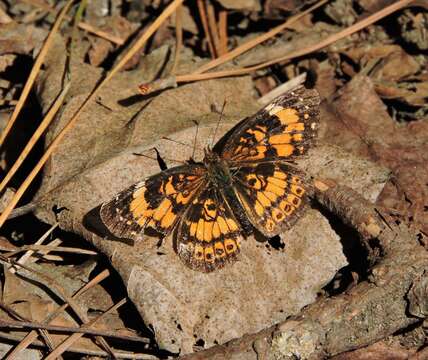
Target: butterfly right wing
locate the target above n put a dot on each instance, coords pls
(208, 235)
(283, 130)
(272, 194)
(156, 202)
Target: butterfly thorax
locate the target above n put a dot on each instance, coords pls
(217, 169)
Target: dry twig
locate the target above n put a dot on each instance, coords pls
(57, 289)
(178, 36)
(80, 350)
(81, 24)
(34, 71)
(50, 248)
(203, 16)
(22, 324)
(76, 336)
(198, 75)
(32, 336)
(212, 23)
(222, 32)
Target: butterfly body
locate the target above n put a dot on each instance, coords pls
(247, 181)
(218, 171)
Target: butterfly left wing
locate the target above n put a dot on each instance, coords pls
(282, 130)
(155, 202)
(208, 235)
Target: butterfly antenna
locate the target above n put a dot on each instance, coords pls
(175, 141)
(218, 123)
(196, 137)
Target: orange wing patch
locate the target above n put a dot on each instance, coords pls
(286, 116)
(156, 202)
(271, 194)
(208, 235)
(282, 130)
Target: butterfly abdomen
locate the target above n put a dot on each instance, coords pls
(238, 210)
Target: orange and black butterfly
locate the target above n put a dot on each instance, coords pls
(246, 181)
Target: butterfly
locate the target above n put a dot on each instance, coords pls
(247, 182)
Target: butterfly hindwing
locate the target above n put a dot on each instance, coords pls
(156, 202)
(208, 235)
(272, 194)
(284, 130)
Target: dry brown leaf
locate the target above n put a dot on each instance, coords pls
(393, 62)
(366, 128)
(187, 20)
(5, 245)
(100, 49)
(116, 26)
(412, 93)
(20, 38)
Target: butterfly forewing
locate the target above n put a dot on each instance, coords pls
(284, 130)
(156, 202)
(208, 235)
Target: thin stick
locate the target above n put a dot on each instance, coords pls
(83, 350)
(309, 49)
(213, 28)
(55, 287)
(34, 71)
(22, 210)
(287, 86)
(82, 25)
(222, 32)
(73, 338)
(46, 337)
(218, 123)
(50, 248)
(45, 253)
(178, 36)
(252, 43)
(195, 139)
(175, 141)
(100, 33)
(172, 81)
(32, 335)
(139, 44)
(50, 116)
(67, 329)
(203, 16)
(40, 241)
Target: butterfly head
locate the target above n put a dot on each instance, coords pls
(210, 156)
